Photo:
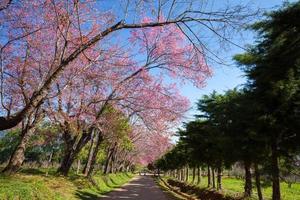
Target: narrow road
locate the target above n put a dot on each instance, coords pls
(141, 187)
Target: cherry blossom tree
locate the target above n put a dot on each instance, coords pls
(71, 59)
(151, 147)
(44, 38)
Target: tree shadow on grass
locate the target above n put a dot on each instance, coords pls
(106, 180)
(86, 195)
(202, 193)
(113, 182)
(128, 175)
(36, 171)
(32, 171)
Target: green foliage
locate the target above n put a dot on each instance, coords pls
(273, 69)
(46, 140)
(8, 142)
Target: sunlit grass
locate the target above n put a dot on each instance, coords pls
(235, 187)
(33, 185)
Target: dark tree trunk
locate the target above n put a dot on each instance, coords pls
(248, 179)
(199, 175)
(275, 173)
(67, 162)
(72, 149)
(91, 167)
(208, 177)
(219, 178)
(90, 155)
(116, 160)
(213, 178)
(106, 165)
(109, 156)
(17, 158)
(257, 181)
(112, 161)
(194, 174)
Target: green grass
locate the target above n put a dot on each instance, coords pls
(235, 187)
(34, 185)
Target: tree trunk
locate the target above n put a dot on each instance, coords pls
(18, 156)
(248, 179)
(213, 178)
(90, 155)
(219, 178)
(194, 175)
(113, 159)
(257, 181)
(199, 175)
(208, 177)
(72, 149)
(106, 165)
(66, 163)
(78, 166)
(275, 173)
(107, 161)
(187, 174)
(121, 166)
(180, 174)
(116, 160)
(49, 162)
(91, 167)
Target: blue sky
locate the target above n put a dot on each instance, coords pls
(226, 77)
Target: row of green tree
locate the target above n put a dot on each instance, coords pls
(257, 125)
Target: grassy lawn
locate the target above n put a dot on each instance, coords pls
(235, 187)
(33, 185)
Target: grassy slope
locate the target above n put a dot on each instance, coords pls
(234, 187)
(165, 189)
(33, 186)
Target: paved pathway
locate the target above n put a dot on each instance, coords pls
(142, 187)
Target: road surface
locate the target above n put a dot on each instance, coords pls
(141, 187)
